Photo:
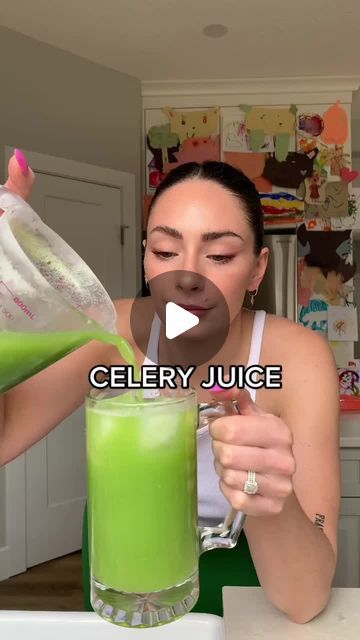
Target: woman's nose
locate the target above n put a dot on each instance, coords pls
(189, 281)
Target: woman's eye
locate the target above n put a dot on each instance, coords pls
(221, 258)
(164, 255)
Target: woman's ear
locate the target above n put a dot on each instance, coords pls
(144, 243)
(259, 270)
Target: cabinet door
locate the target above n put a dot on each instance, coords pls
(350, 466)
(348, 564)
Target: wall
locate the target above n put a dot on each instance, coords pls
(56, 103)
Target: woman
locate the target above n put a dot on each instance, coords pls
(207, 220)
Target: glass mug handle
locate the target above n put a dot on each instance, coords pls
(226, 534)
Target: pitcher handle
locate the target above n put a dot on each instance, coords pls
(226, 534)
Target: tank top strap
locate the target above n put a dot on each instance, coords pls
(255, 346)
(151, 357)
(256, 338)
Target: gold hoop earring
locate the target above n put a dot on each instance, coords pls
(253, 295)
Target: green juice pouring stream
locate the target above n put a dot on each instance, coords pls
(22, 355)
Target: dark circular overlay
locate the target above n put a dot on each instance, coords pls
(195, 294)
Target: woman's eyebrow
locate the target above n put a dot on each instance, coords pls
(206, 237)
(170, 231)
(215, 235)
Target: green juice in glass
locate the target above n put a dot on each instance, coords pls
(142, 492)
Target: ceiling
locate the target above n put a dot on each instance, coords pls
(163, 39)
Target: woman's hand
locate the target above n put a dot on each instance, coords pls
(253, 441)
(20, 177)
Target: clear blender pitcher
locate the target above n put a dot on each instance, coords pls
(144, 538)
(50, 300)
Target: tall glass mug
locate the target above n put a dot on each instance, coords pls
(144, 537)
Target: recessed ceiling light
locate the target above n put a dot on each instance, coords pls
(215, 30)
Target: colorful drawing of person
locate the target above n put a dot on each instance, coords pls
(314, 187)
(338, 160)
(348, 383)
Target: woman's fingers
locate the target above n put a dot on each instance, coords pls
(275, 486)
(21, 177)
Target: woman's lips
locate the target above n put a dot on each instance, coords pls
(197, 311)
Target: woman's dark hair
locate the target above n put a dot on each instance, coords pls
(228, 177)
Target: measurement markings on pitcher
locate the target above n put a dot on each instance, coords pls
(9, 299)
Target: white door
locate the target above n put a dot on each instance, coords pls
(89, 217)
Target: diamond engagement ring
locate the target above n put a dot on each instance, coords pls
(251, 486)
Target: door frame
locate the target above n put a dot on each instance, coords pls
(13, 553)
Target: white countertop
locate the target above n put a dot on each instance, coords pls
(350, 429)
(249, 615)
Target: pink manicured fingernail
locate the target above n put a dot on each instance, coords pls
(216, 389)
(23, 163)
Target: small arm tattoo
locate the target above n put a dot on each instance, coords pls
(319, 520)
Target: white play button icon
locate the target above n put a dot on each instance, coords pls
(178, 320)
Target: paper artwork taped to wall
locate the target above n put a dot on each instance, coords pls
(338, 160)
(307, 144)
(252, 165)
(318, 224)
(342, 323)
(353, 219)
(291, 172)
(313, 283)
(282, 205)
(193, 124)
(322, 160)
(349, 380)
(236, 137)
(333, 204)
(162, 144)
(315, 316)
(315, 189)
(336, 127)
(325, 265)
(309, 125)
(342, 352)
(348, 175)
(276, 122)
(196, 150)
(161, 141)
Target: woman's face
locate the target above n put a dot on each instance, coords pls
(197, 226)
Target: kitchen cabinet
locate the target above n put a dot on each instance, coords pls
(348, 564)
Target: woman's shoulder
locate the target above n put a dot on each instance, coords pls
(305, 357)
(295, 345)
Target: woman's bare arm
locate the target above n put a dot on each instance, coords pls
(29, 411)
(295, 552)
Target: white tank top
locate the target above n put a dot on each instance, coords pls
(212, 504)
